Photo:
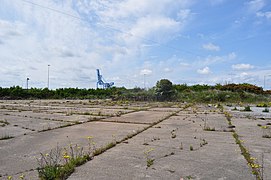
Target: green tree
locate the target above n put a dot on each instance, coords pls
(164, 90)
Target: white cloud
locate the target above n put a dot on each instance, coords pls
(184, 14)
(210, 60)
(184, 64)
(154, 27)
(243, 74)
(211, 47)
(167, 70)
(145, 72)
(205, 71)
(255, 5)
(266, 15)
(242, 66)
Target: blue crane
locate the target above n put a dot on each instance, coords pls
(102, 82)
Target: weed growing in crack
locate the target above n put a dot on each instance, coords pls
(228, 117)
(149, 160)
(250, 160)
(266, 110)
(22, 176)
(4, 123)
(208, 128)
(203, 142)
(189, 177)
(103, 149)
(59, 163)
(247, 108)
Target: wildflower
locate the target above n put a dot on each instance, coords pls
(89, 137)
(264, 127)
(22, 176)
(66, 157)
(9, 177)
(46, 154)
(65, 154)
(254, 165)
(242, 141)
(252, 158)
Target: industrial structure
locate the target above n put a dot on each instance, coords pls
(101, 82)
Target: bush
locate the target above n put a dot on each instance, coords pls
(247, 108)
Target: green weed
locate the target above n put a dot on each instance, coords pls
(247, 108)
(266, 110)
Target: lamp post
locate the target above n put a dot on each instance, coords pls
(27, 79)
(48, 76)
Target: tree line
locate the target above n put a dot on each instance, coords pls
(163, 91)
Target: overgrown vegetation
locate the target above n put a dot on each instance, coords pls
(163, 91)
(60, 163)
(256, 168)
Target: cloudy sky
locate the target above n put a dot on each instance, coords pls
(185, 41)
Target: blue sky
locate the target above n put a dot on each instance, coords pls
(185, 41)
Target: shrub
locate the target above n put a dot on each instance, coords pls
(247, 108)
(266, 110)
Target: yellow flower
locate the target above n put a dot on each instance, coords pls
(9, 177)
(89, 137)
(254, 165)
(252, 158)
(66, 157)
(22, 176)
(46, 154)
(264, 127)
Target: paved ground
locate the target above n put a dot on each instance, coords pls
(173, 158)
(249, 126)
(174, 137)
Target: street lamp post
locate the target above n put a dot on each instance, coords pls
(48, 76)
(27, 79)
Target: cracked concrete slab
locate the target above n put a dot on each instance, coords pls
(173, 158)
